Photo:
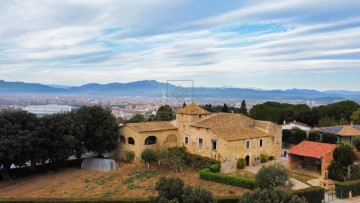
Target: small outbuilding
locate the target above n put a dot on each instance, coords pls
(311, 157)
(98, 164)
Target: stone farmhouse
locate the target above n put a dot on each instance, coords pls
(221, 136)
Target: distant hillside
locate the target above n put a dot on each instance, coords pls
(152, 88)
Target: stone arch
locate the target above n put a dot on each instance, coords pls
(151, 140)
(170, 141)
(122, 139)
(131, 140)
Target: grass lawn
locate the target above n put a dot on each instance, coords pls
(301, 177)
(243, 174)
(129, 181)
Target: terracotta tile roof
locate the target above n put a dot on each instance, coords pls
(345, 130)
(193, 109)
(232, 134)
(312, 149)
(217, 119)
(152, 126)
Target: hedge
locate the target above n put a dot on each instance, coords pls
(215, 168)
(206, 174)
(313, 194)
(345, 187)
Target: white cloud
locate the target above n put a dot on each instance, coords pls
(76, 42)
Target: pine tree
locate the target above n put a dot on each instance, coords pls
(184, 105)
(243, 109)
(225, 108)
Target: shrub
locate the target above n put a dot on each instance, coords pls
(355, 172)
(272, 176)
(149, 156)
(206, 174)
(198, 162)
(271, 158)
(129, 156)
(329, 138)
(215, 168)
(353, 186)
(337, 171)
(241, 163)
(196, 194)
(264, 157)
(313, 194)
(173, 190)
(314, 136)
(292, 140)
(169, 188)
(299, 135)
(356, 143)
(286, 134)
(270, 196)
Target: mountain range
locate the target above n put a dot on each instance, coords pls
(152, 88)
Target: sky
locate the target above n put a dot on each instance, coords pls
(269, 44)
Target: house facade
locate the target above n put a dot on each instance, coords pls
(296, 125)
(346, 133)
(218, 135)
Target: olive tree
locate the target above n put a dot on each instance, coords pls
(273, 176)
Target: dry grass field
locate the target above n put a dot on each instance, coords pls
(128, 181)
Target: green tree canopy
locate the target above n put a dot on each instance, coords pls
(18, 132)
(356, 143)
(149, 156)
(164, 113)
(344, 155)
(243, 109)
(138, 118)
(225, 108)
(58, 131)
(273, 176)
(340, 111)
(329, 138)
(174, 190)
(101, 129)
(355, 117)
(280, 112)
(314, 136)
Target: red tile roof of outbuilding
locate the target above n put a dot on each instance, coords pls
(312, 149)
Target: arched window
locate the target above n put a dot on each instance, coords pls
(131, 141)
(150, 140)
(122, 139)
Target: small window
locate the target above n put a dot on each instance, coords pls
(200, 142)
(131, 141)
(247, 144)
(199, 116)
(186, 140)
(261, 142)
(122, 139)
(213, 144)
